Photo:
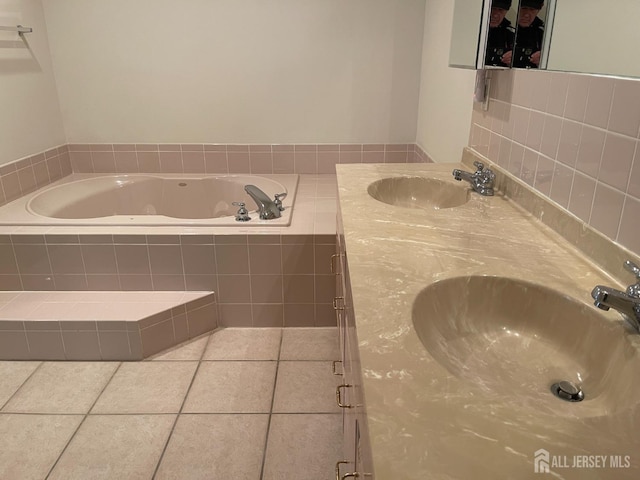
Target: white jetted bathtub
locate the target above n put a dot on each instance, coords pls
(149, 199)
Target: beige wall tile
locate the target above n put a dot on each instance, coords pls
(189, 350)
(235, 315)
(203, 319)
(299, 315)
(607, 210)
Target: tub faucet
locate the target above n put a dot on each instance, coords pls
(627, 303)
(481, 181)
(267, 208)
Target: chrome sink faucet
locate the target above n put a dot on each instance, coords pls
(627, 303)
(482, 181)
(267, 208)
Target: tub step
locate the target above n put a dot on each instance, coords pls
(95, 325)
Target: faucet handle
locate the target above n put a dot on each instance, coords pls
(634, 289)
(631, 267)
(279, 198)
(243, 213)
(478, 165)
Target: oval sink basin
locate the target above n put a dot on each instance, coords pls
(418, 192)
(517, 339)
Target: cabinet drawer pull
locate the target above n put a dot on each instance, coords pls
(339, 396)
(337, 300)
(350, 475)
(333, 366)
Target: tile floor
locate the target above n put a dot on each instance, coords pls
(234, 404)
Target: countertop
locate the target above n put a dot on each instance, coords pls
(424, 421)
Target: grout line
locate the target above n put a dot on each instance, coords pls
(84, 418)
(173, 427)
(21, 385)
(273, 397)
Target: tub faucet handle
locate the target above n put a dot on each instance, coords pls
(243, 214)
(478, 165)
(278, 201)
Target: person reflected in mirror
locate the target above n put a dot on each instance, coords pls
(501, 35)
(529, 35)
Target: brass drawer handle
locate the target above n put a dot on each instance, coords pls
(335, 303)
(333, 366)
(339, 396)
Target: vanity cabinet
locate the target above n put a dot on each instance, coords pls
(356, 461)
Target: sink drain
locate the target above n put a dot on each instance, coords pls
(567, 391)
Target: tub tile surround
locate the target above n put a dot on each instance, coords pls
(168, 417)
(574, 138)
(230, 159)
(100, 325)
(259, 280)
(486, 236)
(33, 172)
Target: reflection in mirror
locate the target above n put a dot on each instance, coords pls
(501, 36)
(529, 34)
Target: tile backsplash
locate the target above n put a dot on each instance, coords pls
(219, 158)
(574, 138)
(30, 173)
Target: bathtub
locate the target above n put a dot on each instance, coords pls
(149, 199)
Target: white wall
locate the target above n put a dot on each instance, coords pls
(30, 119)
(446, 94)
(245, 71)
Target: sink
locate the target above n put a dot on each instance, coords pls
(418, 192)
(514, 340)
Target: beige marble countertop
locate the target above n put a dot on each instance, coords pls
(425, 422)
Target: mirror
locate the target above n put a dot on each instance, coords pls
(516, 34)
(592, 36)
(582, 36)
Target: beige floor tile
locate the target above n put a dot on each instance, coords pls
(244, 344)
(215, 446)
(310, 344)
(115, 447)
(62, 387)
(31, 444)
(232, 387)
(147, 387)
(306, 387)
(303, 443)
(12, 375)
(190, 350)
